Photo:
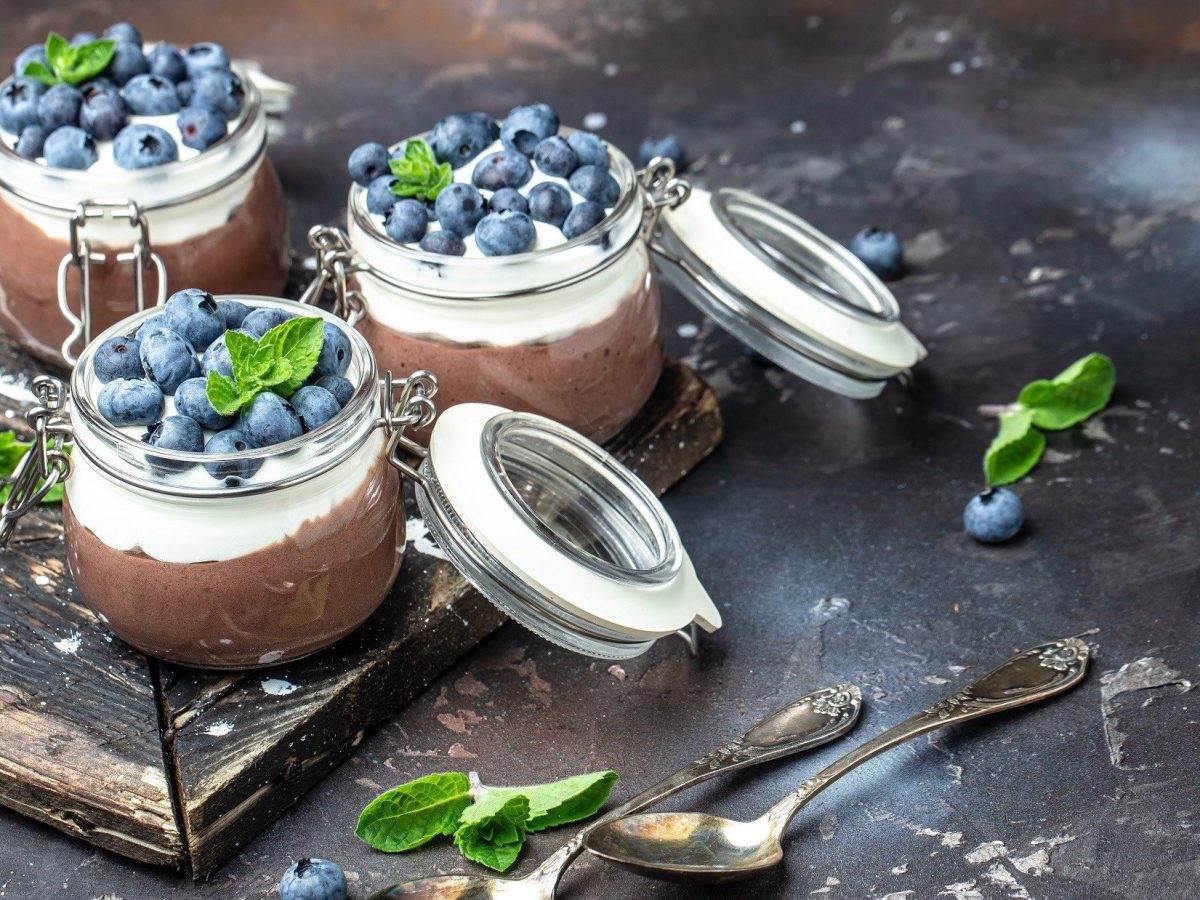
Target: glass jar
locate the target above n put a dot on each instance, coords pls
(84, 249)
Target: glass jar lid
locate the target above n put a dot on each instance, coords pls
(557, 533)
(787, 290)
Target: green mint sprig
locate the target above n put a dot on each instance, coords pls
(489, 824)
(280, 361)
(418, 173)
(12, 451)
(71, 64)
(1075, 394)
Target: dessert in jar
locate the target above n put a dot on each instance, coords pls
(213, 521)
(506, 256)
(125, 164)
(519, 260)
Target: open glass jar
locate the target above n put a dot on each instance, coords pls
(84, 249)
(251, 572)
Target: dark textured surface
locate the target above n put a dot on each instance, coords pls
(1049, 196)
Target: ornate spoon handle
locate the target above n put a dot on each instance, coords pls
(1038, 673)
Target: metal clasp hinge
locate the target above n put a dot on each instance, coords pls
(46, 463)
(80, 255)
(661, 189)
(407, 403)
(334, 265)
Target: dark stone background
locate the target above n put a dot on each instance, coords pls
(1040, 160)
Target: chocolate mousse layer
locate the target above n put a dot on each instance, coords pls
(270, 605)
(246, 255)
(594, 380)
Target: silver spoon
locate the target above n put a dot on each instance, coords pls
(814, 719)
(688, 846)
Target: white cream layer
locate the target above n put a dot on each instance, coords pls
(189, 530)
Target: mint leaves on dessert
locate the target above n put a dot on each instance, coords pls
(12, 451)
(489, 824)
(418, 173)
(1075, 394)
(71, 64)
(280, 361)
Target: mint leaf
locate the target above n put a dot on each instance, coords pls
(418, 173)
(223, 394)
(36, 69)
(58, 51)
(12, 451)
(1080, 391)
(1015, 450)
(559, 802)
(297, 342)
(413, 814)
(492, 834)
(76, 64)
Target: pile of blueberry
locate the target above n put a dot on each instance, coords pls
(172, 353)
(62, 123)
(492, 206)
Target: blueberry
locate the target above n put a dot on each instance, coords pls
(103, 112)
(341, 389)
(193, 314)
(173, 433)
(69, 148)
(19, 103)
(550, 202)
(59, 106)
(191, 399)
(118, 358)
(880, 251)
(380, 196)
(554, 156)
(79, 38)
(168, 359)
(218, 89)
(167, 62)
(447, 243)
(459, 207)
(668, 146)
(335, 352)
(313, 879)
(460, 137)
(32, 141)
(315, 406)
(506, 168)
(32, 53)
(233, 312)
(233, 472)
(367, 162)
(98, 82)
(152, 325)
(127, 60)
(216, 358)
(263, 319)
(141, 146)
(589, 149)
(407, 221)
(524, 126)
(269, 419)
(592, 183)
(184, 90)
(130, 401)
(200, 127)
(123, 31)
(508, 198)
(994, 516)
(204, 57)
(583, 218)
(504, 234)
(150, 95)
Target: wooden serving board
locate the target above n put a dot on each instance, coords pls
(182, 768)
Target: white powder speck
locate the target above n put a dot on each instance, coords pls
(418, 536)
(617, 672)
(219, 729)
(277, 687)
(42, 580)
(957, 67)
(688, 330)
(611, 69)
(70, 644)
(987, 851)
(594, 121)
(270, 656)
(942, 37)
(798, 127)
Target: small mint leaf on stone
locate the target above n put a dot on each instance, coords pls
(1015, 450)
(1076, 393)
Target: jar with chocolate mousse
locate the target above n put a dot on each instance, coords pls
(519, 259)
(213, 522)
(152, 172)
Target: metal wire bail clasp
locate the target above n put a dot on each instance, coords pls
(80, 255)
(661, 189)
(334, 263)
(412, 406)
(46, 463)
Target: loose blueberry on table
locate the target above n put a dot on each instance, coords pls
(313, 879)
(881, 251)
(187, 378)
(65, 100)
(481, 187)
(994, 516)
